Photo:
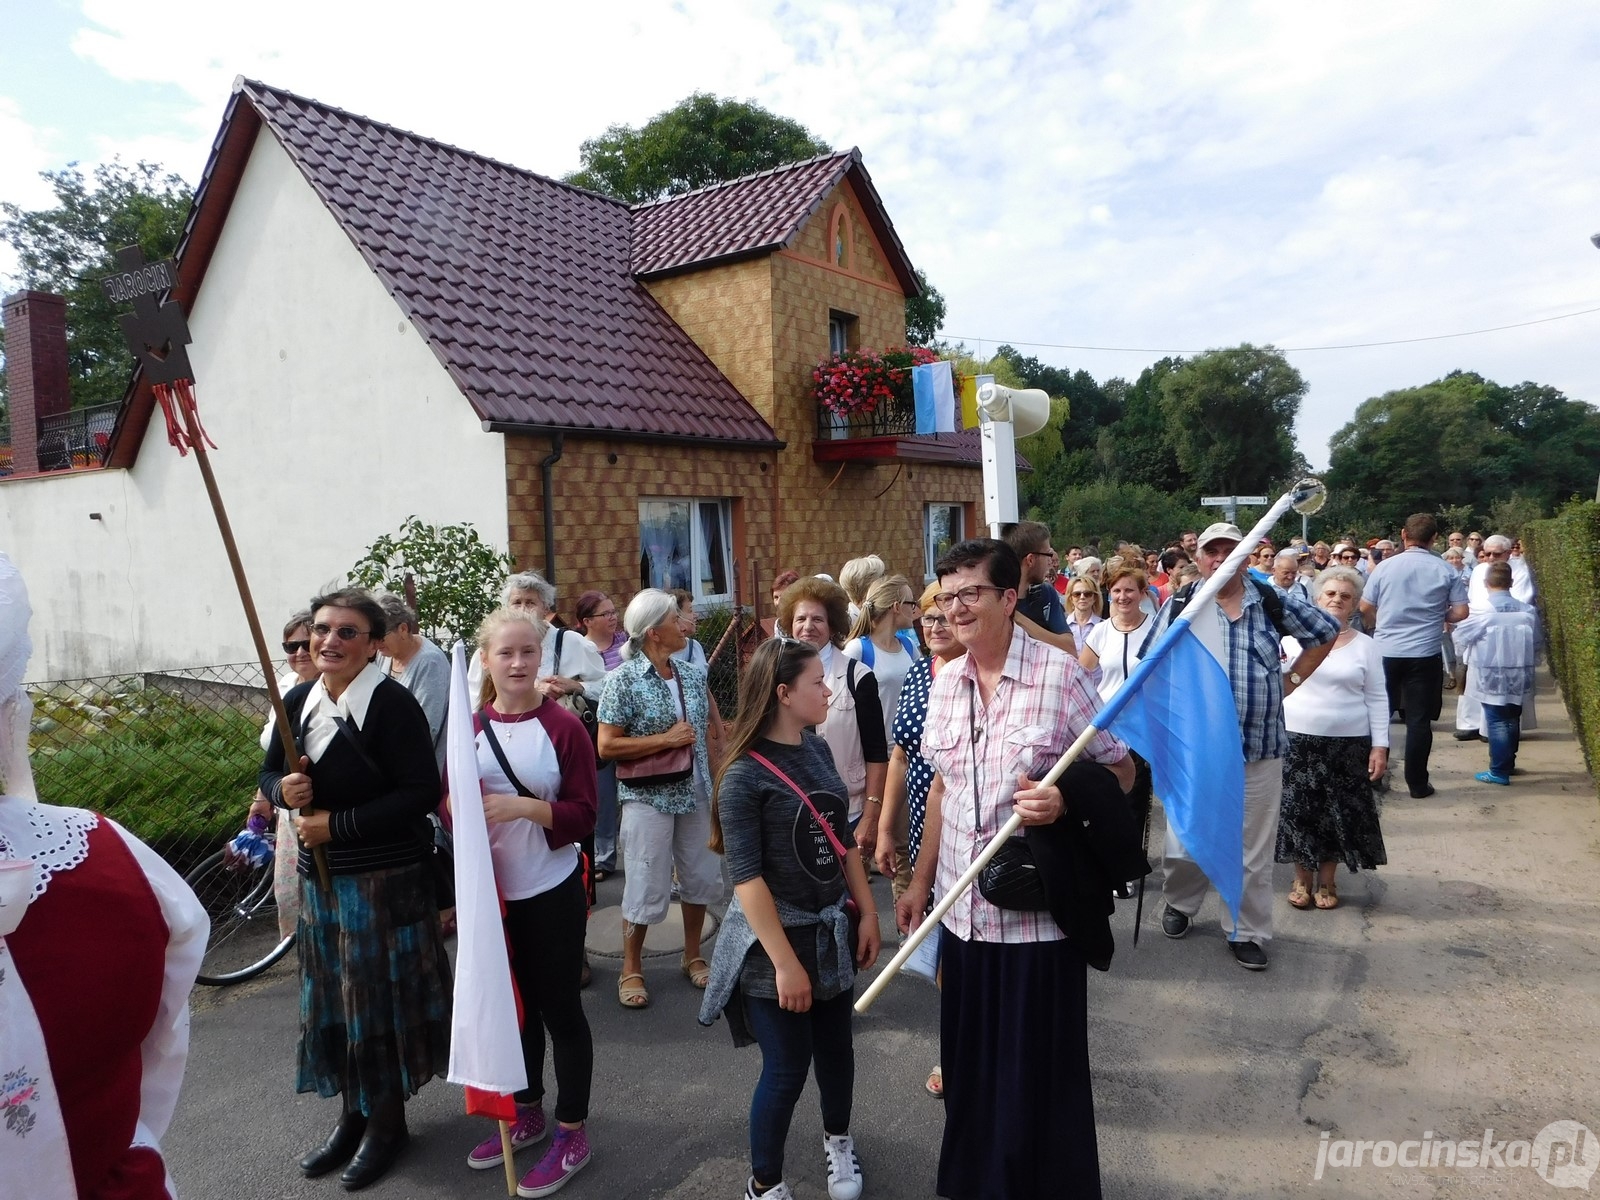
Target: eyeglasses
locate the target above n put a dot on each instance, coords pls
(346, 633)
(1348, 557)
(1084, 595)
(907, 603)
(967, 595)
(934, 620)
(605, 613)
(299, 647)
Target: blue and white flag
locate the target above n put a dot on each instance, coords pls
(1177, 710)
(933, 388)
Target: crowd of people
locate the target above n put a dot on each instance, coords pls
(879, 727)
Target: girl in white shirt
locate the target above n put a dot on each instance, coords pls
(1112, 646)
(536, 766)
(880, 640)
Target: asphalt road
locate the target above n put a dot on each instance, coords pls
(1454, 989)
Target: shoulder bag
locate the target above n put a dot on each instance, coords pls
(664, 766)
(851, 909)
(1011, 878)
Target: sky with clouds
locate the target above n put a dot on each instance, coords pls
(1156, 175)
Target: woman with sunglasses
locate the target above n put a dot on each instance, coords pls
(1083, 614)
(374, 979)
(905, 791)
(785, 963)
(286, 851)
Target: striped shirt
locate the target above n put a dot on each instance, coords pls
(1042, 703)
(1253, 660)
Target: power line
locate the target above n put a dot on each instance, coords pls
(1436, 337)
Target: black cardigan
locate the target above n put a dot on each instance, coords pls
(378, 819)
(1094, 847)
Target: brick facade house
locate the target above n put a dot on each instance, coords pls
(385, 325)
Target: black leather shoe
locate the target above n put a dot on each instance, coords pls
(1423, 792)
(1173, 923)
(379, 1148)
(1249, 955)
(336, 1151)
(1469, 735)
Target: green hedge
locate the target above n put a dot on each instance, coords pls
(1564, 553)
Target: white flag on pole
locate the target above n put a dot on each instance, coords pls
(485, 1036)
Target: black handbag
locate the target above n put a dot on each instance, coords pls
(1011, 879)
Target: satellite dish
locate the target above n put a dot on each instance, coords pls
(1027, 409)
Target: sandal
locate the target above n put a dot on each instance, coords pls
(630, 995)
(935, 1085)
(1327, 896)
(699, 976)
(1300, 894)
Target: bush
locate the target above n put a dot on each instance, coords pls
(458, 575)
(1564, 553)
(1131, 512)
(178, 774)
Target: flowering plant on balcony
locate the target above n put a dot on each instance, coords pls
(860, 381)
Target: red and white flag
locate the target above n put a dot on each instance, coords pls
(485, 1028)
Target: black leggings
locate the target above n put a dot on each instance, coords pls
(546, 935)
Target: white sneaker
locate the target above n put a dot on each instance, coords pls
(778, 1191)
(844, 1168)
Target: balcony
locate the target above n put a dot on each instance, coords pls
(75, 440)
(887, 434)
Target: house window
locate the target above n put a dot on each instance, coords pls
(841, 332)
(941, 529)
(687, 544)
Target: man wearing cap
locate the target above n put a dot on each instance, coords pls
(1242, 636)
(1408, 599)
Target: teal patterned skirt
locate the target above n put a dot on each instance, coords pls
(374, 986)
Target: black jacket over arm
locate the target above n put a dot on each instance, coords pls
(1092, 848)
(378, 809)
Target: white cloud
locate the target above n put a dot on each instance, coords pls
(23, 154)
(1147, 173)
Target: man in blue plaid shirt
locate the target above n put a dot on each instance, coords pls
(1242, 636)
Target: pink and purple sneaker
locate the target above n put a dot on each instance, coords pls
(568, 1154)
(529, 1129)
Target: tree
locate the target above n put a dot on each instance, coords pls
(1116, 512)
(458, 575)
(67, 248)
(1230, 418)
(924, 313)
(1462, 443)
(700, 141)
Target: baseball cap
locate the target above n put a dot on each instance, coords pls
(1219, 531)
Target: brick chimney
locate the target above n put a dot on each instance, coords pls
(36, 368)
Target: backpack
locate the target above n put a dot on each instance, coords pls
(1271, 603)
(869, 652)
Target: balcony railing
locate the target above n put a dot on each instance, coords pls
(892, 418)
(78, 438)
(67, 441)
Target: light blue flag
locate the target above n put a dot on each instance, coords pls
(933, 388)
(1177, 710)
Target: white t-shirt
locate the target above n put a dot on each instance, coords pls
(1346, 695)
(890, 671)
(1118, 651)
(524, 864)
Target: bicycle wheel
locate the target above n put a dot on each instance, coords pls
(244, 937)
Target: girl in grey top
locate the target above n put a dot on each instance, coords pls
(785, 962)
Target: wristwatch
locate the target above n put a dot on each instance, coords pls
(874, 800)
(1294, 678)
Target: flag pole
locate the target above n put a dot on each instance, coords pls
(1306, 492)
(291, 752)
(506, 1156)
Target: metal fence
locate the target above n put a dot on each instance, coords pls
(173, 755)
(80, 437)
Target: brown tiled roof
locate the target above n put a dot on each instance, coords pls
(756, 215)
(522, 285)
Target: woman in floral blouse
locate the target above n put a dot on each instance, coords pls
(654, 704)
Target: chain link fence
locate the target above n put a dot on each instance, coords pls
(172, 755)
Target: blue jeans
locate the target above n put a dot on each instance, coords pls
(606, 820)
(790, 1043)
(1505, 735)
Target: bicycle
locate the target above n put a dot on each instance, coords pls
(244, 937)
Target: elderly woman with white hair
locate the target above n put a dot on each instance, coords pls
(1338, 724)
(655, 715)
(577, 670)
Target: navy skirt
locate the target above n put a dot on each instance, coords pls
(1014, 1045)
(374, 986)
